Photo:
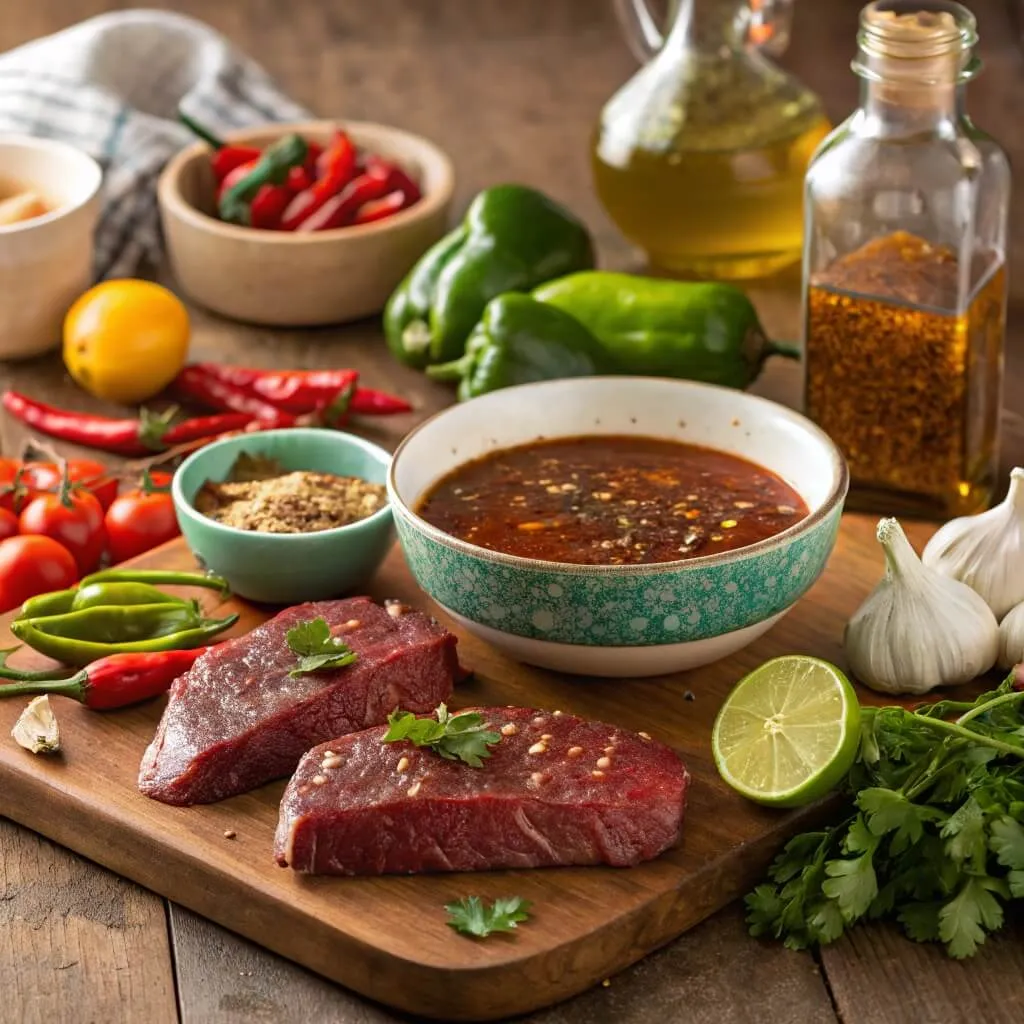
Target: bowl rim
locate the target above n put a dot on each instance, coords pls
(194, 515)
(171, 199)
(835, 497)
(65, 152)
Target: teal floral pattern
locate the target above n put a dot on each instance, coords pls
(649, 605)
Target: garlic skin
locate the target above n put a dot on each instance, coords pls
(36, 728)
(918, 629)
(986, 551)
(1011, 638)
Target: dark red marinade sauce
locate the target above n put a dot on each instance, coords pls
(610, 500)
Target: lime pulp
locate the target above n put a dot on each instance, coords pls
(788, 733)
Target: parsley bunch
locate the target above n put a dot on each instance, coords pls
(460, 737)
(935, 836)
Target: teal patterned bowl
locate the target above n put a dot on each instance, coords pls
(623, 619)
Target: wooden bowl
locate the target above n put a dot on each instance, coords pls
(282, 278)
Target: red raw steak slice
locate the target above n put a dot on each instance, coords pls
(556, 790)
(237, 719)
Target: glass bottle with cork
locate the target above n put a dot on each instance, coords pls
(906, 208)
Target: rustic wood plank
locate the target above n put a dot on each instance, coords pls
(77, 942)
(712, 971)
(879, 977)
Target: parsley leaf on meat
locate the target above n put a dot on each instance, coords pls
(935, 836)
(460, 737)
(318, 651)
(472, 916)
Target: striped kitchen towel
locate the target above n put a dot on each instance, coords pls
(112, 86)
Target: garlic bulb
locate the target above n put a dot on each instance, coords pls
(986, 551)
(918, 629)
(36, 729)
(1011, 638)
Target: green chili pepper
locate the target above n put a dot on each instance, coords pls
(512, 239)
(54, 603)
(660, 328)
(72, 650)
(157, 576)
(94, 595)
(271, 169)
(117, 623)
(24, 675)
(520, 340)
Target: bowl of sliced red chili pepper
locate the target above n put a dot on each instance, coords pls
(302, 224)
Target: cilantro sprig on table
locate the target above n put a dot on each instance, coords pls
(463, 736)
(471, 916)
(935, 836)
(318, 651)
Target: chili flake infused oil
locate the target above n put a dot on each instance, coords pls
(904, 273)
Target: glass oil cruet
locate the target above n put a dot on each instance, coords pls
(904, 271)
(700, 157)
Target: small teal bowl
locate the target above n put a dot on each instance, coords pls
(287, 568)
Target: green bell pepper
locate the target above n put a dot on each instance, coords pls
(661, 328)
(512, 239)
(520, 340)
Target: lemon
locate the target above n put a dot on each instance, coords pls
(788, 733)
(126, 340)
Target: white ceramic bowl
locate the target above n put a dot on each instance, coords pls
(621, 620)
(300, 279)
(46, 262)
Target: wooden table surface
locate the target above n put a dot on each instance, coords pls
(511, 90)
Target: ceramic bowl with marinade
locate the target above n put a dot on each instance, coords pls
(617, 526)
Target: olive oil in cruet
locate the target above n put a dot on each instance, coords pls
(700, 157)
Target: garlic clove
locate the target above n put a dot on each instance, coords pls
(986, 551)
(1011, 638)
(36, 728)
(918, 629)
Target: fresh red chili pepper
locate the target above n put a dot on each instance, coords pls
(205, 426)
(381, 209)
(370, 402)
(295, 391)
(194, 383)
(268, 204)
(115, 681)
(336, 412)
(132, 437)
(313, 151)
(234, 176)
(397, 179)
(227, 158)
(339, 210)
(334, 169)
(299, 178)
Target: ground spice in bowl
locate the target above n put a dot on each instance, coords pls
(260, 496)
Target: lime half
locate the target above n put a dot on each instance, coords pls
(788, 732)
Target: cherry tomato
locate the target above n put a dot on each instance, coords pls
(138, 521)
(8, 524)
(9, 469)
(75, 522)
(31, 565)
(88, 473)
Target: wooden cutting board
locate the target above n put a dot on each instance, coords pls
(386, 937)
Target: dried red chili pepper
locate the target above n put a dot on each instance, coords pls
(196, 384)
(132, 437)
(381, 209)
(340, 209)
(112, 682)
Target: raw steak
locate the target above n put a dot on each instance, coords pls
(556, 790)
(237, 719)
